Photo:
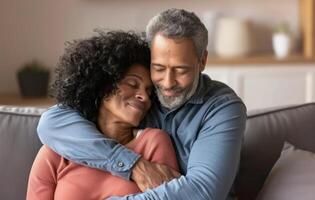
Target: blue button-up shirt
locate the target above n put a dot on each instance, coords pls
(206, 131)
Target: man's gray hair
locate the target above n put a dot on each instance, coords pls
(179, 23)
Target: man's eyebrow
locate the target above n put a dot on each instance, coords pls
(157, 64)
(183, 66)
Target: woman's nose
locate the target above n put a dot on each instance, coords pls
(142, 96)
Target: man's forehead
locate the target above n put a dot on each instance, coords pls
(177, 40)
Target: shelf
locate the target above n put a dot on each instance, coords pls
(260, 59)
(16, 100)
(307, 55)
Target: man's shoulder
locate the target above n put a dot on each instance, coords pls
(220, 98)
(218, 92)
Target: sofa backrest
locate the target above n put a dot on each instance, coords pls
(19, 145)
(266, 132)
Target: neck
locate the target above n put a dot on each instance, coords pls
(112, 128)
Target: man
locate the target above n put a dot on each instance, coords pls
(204, 118)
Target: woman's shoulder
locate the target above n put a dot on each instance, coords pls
(47, 164)
(148, 136)
(47, 155)
(154, 133)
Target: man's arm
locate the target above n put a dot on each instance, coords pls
(212, 163)
(77, 139)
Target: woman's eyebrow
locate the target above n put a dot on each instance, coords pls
(139, 77)
(135, 75)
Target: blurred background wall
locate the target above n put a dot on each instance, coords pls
(38, 29)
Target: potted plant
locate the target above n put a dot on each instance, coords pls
(33, 78)
(282, 40)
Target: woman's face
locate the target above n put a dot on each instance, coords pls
(132, 100)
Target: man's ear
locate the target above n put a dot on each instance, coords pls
(203, 60)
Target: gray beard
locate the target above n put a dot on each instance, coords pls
(174, 102)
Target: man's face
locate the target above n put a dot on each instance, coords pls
(175, 69)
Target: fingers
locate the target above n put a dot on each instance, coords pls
(175, 174)
(150, 175)
(167, 172)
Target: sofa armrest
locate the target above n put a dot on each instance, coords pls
(266, 131)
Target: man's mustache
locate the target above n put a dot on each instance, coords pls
(175, 89)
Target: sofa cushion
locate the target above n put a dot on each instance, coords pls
(266, 131)
(18, 147)
(292, 177)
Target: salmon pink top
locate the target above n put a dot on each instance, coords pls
(54, 177)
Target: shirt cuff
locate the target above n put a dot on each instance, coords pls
(123, 162)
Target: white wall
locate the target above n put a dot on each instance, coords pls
(38, 28)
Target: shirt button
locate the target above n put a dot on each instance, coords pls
(120, 164)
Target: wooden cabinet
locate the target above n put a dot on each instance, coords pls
(264, 86)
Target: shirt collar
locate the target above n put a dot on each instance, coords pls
(201, 91)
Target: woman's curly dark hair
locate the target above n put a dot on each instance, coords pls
(90, 69)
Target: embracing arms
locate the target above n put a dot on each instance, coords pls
(78, 140)
(212, 163)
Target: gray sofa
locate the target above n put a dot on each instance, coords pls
(18, 147)
(265, 134)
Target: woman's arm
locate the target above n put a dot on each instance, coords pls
(73, 137)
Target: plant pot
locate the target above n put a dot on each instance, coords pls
(33, 84)
(209, 19)
(232, 38)
(282, 44)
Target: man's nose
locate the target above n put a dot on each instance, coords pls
(169, 80)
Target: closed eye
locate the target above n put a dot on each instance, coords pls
(157, 67)
(182, 70)
(132, 83)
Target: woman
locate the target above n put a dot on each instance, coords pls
(106, 79)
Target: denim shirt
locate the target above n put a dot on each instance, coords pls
(206, 131)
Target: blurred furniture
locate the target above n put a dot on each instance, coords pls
(265, 134)
(266, 85)
(262, 80)
(17, 100)
(305, 54)
(19, 145)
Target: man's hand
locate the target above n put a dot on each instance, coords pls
(150, 175)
